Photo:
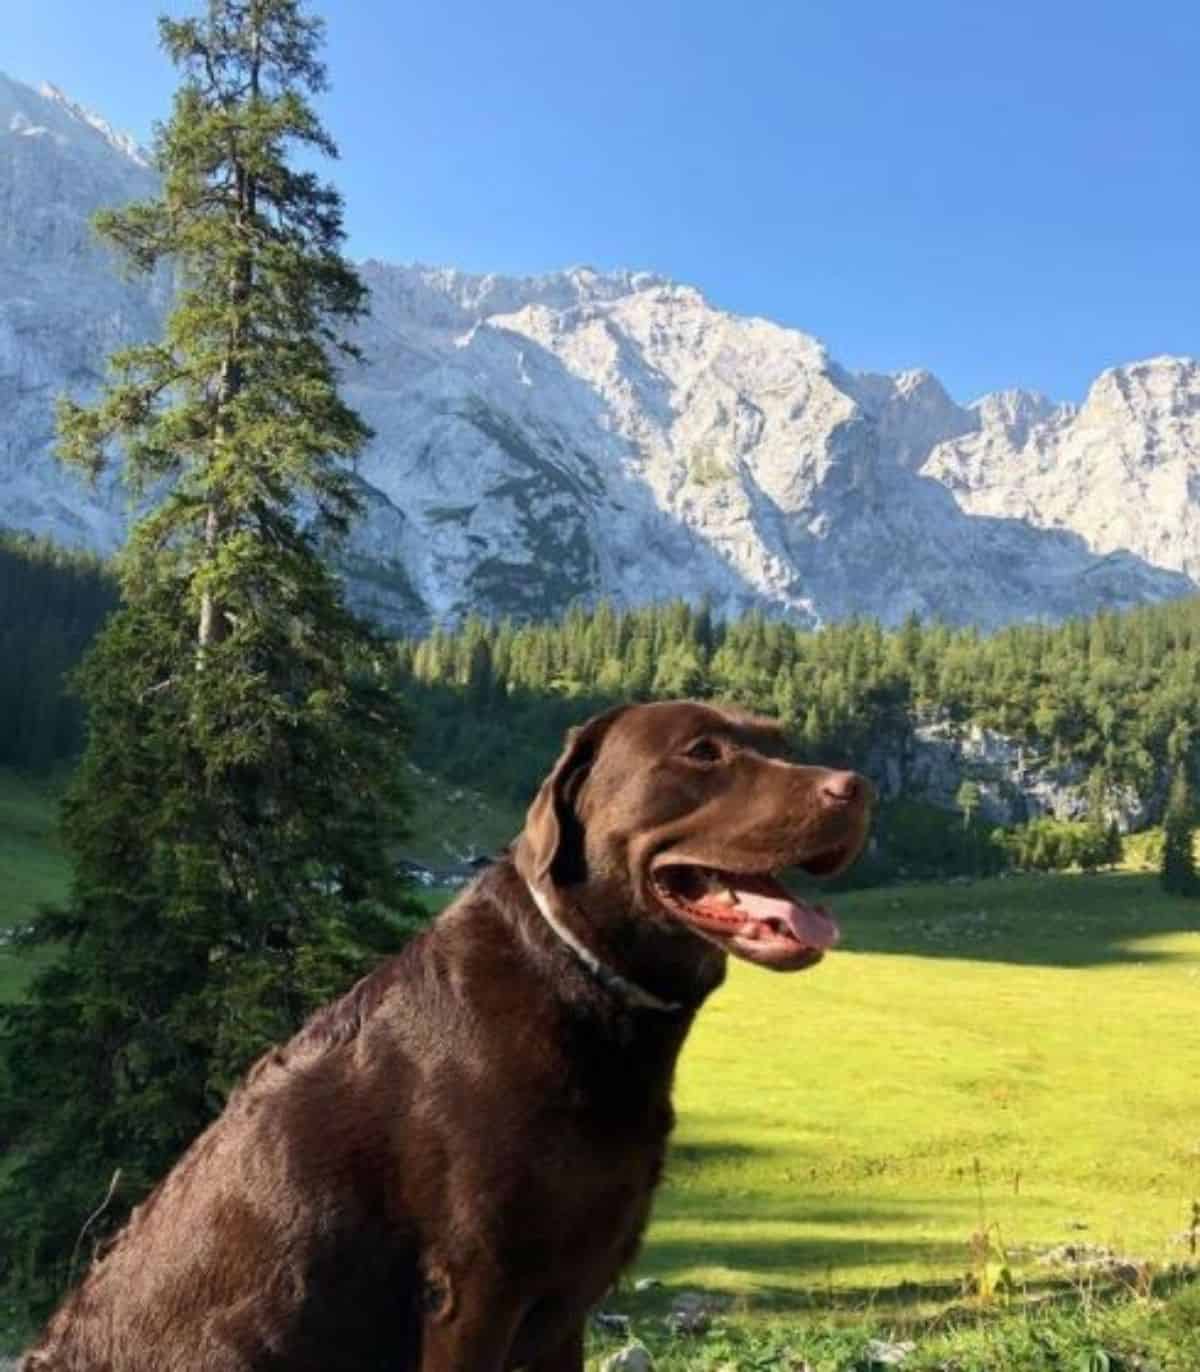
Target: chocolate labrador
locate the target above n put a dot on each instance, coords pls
(448, 1167)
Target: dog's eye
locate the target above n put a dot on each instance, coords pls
(703, 750)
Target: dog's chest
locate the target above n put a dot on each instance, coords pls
(580, 1196)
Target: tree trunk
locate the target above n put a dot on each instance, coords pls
(214, 624)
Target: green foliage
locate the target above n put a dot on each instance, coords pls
(1113, 694)
(230, 820)
(911, 839)
(52, 602)
(1054, 845)
(968, 799)
(1178, 871)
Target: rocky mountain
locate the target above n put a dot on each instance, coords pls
(584, 434)
(63, 306)
(1123, 470)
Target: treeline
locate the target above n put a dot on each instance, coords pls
(52, 602)
(1117, 693)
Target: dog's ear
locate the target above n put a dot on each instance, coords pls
(551, 844)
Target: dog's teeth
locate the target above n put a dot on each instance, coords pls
(727, 896)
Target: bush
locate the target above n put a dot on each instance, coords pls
(1053, 845)
(913, 839)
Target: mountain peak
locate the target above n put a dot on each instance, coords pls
(1155, 387)
(446, 297)
(1016, 412)
(46, 111)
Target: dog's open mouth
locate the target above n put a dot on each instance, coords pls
(749, 914)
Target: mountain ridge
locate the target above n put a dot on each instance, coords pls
(547, 438)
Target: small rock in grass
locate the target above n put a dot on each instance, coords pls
(633, 1358)
(884, 1353)
(612, 1323)
(691, 1313)
(688, 1321)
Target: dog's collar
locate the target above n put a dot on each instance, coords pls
(629, 991)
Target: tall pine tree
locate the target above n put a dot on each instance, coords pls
(230, 820)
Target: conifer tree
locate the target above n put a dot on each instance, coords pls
(1178, 871)
(229, 822)
(1114, 845)
(968, 798)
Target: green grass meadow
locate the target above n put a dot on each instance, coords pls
(886, 1147)
(1016, 1058)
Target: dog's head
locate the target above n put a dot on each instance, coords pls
(666, 825)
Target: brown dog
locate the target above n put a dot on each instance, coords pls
(448, 1167)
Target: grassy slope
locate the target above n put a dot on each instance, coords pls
(448, 822)
(33, 870)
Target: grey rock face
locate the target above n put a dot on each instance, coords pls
(1124, 469)
(63, 307)
(1016, 784)
(547, 439)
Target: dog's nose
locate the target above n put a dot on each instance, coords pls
(842, 788)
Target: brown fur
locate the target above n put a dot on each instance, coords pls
(448, 1167)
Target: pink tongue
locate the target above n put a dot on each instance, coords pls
(765, 899)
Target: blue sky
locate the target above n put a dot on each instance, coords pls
(1007, 194)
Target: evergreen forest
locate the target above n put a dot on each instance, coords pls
(52, 602)
(1117, 694)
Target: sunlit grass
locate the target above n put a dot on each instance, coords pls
(1014, 1053)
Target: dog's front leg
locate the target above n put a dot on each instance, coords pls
(469, 1322)
(475, 1342)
